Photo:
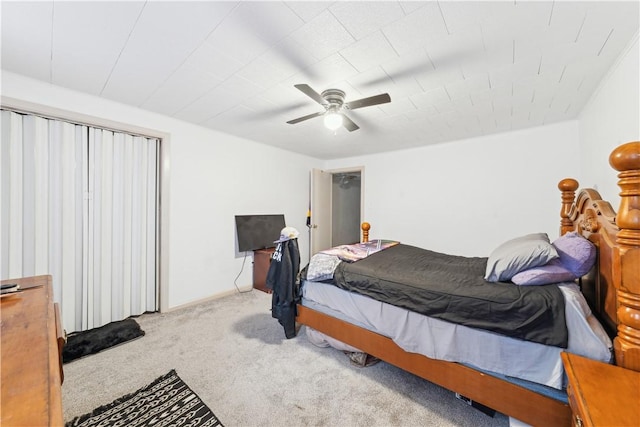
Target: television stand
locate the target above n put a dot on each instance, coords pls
(261, 262)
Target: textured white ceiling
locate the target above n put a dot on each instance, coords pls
(453, 69)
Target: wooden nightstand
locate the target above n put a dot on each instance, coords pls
(602, 394)
(261, 263)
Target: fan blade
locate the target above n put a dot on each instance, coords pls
(306, 89)
(383, 98)
(301, 119)
(349, 124)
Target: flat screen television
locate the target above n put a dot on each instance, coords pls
(258, 231)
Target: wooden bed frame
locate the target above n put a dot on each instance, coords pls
(612, 289)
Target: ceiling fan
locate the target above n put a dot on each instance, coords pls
(334, 106)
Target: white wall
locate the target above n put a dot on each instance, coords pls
(610, 118)
(212, 177)
(468, 196)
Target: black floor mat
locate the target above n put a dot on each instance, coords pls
(80, 344)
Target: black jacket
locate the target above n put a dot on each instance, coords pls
(282, 279)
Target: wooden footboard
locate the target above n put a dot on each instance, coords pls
(507, 398)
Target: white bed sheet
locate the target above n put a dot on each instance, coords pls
(438, 339)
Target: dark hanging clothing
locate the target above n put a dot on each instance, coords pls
(282, 279)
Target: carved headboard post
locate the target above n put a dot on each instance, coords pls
(365, 231)
(626, 160)
(568, 187)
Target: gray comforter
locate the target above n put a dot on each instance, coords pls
(452, 288)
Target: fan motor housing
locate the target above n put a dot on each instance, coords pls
(335, 97)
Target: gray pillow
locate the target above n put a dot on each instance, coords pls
(516, 255)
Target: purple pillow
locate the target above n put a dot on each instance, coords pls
(576, 253)
(552, 272)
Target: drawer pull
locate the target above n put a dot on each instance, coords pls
(578, 421)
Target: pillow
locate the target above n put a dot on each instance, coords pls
(576, 253)
(516, 255)
(551, 272)
(322, 266)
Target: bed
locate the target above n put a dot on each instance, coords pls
(611, 288)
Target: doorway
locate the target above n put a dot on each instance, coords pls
(346, 197)
(336, 206)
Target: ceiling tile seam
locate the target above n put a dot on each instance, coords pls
(429, 58)
(562, 74)
(294, 12)
(233, 9)
(234, 106)
(605, 42)
(223, 81)
(446, 27)
(484, 45)
(419, 84)
(115, 63)
(219, 84)
(381, 29)
(342, 25)
(540, 65)
(389, 41)
(387, 74)
(204, 40)
(447, 92)
(566, 110)
(553, 3)
(403, 9)
(581, 26)
(349, 62)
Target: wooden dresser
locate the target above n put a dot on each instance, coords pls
(32, 340)
(602, 394)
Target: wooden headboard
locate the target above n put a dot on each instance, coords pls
(613, 287)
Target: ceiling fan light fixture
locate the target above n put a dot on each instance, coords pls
(332, 120)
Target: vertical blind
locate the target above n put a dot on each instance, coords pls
(80, 203)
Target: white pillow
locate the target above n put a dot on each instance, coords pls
(516, 255)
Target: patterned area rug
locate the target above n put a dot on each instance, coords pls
(168, 401)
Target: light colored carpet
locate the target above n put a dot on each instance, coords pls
(234, 355)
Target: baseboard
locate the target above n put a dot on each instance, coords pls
(210, 298)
